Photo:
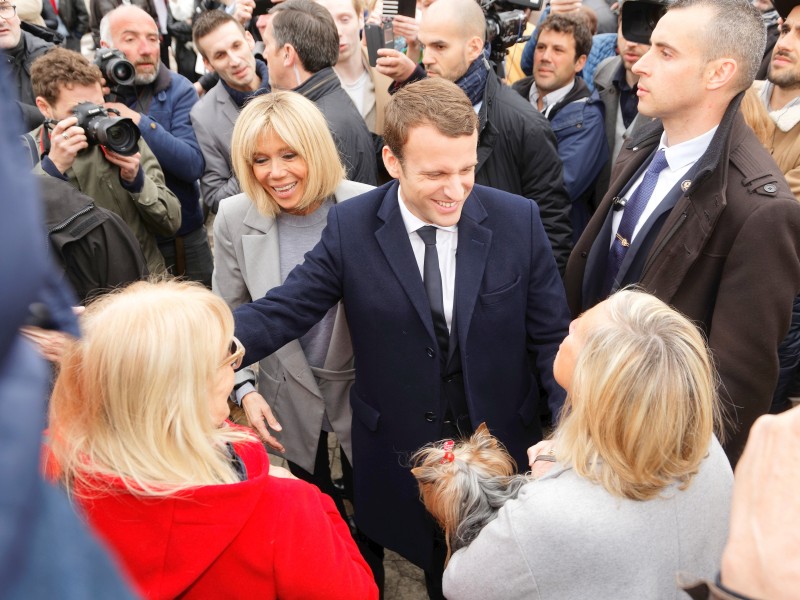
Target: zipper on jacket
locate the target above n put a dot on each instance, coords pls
(66, 223)
(664, 242)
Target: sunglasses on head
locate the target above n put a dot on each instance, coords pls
(234, 359)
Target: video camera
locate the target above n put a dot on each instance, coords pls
(115, 133)
(505, 24)
(639, 18)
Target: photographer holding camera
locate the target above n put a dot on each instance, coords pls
(100, 155)
(158, 101)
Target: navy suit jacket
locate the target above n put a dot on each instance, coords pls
(510, 306)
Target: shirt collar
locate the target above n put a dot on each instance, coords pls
(620, 81)
(688, 152)
(411, 221)
(551, 99)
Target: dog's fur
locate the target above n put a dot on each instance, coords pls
(464, 495)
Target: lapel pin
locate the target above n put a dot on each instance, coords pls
(685, 184)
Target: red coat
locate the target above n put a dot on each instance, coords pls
(266, 537)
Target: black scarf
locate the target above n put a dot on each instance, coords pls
(241, 98)
(473, 82)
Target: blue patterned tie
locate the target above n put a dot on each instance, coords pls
(634, 208)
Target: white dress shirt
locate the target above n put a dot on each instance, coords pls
(680, 158)
(446, 244)
(551, 99)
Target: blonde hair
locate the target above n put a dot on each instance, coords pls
(301, 125)
(132, 398)
(642, 405)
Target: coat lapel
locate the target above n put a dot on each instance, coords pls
(392, 237)
(474, 242)
(226, 104)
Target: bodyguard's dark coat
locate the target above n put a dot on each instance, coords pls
(508, 303)
(727, 255)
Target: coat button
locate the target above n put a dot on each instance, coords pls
(153, 126)
(430, 352)
(430, 417)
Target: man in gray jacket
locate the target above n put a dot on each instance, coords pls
(301, 46)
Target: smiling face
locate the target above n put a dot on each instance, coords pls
(672, 82)
(229, 51)
(348, 25)
(436, 175)
(554, 62)
(9, 29)
(281, 172)
(784, 70)
(135, 33)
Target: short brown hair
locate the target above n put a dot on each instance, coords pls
(574, 24)
(433, 101)
(210, 21)
(61, 68)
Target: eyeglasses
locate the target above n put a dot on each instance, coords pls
(8, 10)
(234, 359)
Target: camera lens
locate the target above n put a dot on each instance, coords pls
(122, 72)
(120, 135)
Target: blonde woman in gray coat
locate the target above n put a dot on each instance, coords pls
(290, 172)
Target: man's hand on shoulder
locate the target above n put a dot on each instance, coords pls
(66, 140)
(124, 111)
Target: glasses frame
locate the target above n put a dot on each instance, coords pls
(234, 359)
(13, 8)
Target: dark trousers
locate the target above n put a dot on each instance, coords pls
(189, 256)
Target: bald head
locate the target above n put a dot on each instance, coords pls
(453, 33)
(130, 29)
(466, 16)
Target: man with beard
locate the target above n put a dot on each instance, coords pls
(615, 82)
(159, 102)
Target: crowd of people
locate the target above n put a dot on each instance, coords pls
(541, 318)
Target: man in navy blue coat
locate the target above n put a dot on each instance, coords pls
(501, 296)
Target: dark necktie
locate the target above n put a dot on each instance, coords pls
(432, 278)
(634, 208)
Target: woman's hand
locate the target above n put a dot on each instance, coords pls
(257, 411)
(546, 459)
(280, 472)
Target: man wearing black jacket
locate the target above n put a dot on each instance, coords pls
(517, 150)
(21, 49)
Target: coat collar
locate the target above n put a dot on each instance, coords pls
(319, 84)
(474, 242)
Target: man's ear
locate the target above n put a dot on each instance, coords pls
(289, 56)
(474, 48)
(44, 107)
(720, 72)
(207, 65)
(579, 64)
(391, 162)
(250, 41)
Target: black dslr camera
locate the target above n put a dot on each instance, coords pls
(115, 133)
(639, 18)
(116, 69)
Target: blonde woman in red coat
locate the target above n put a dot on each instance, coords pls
(187, 502)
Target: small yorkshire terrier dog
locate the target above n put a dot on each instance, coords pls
(463, 484)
